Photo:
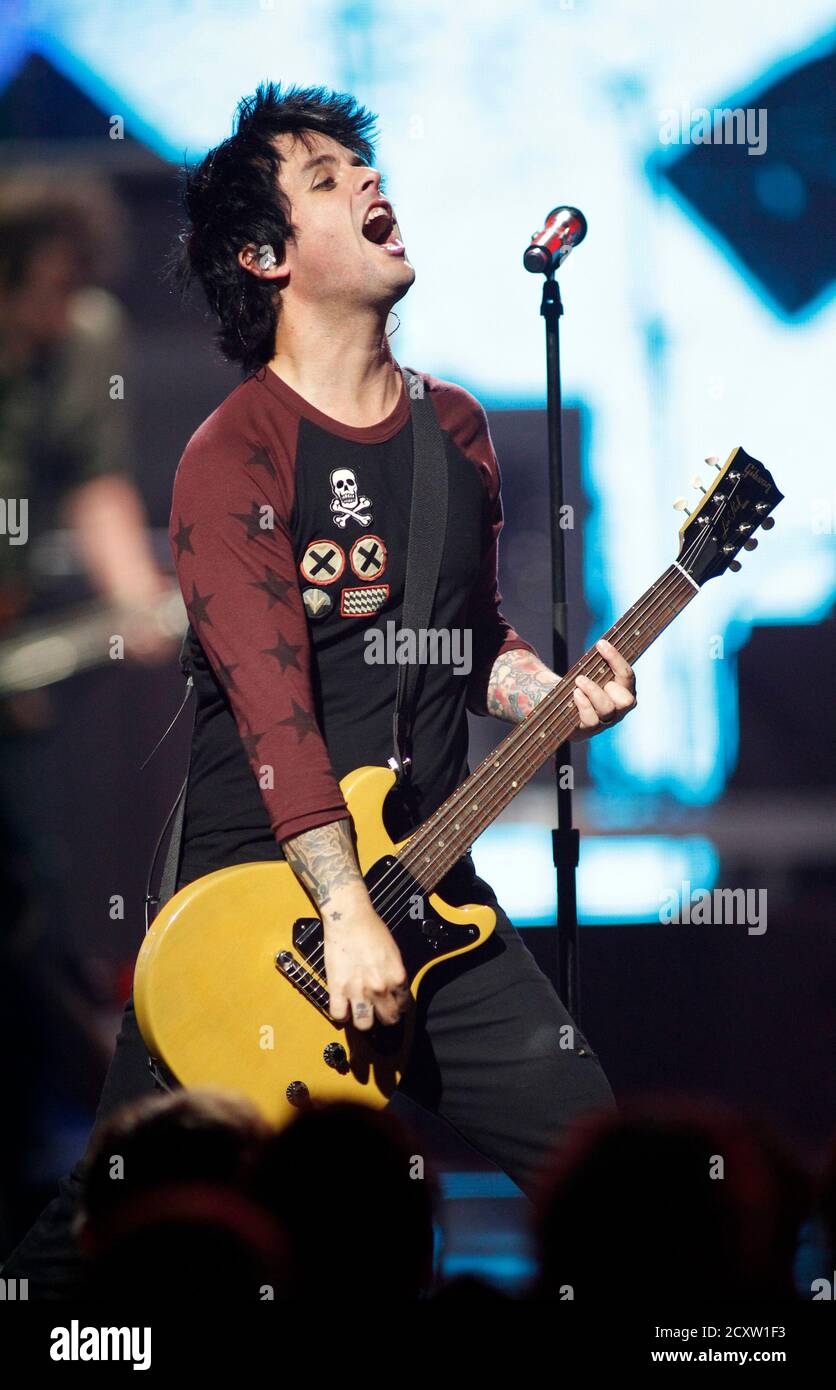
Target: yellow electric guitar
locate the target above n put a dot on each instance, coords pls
(230, 989)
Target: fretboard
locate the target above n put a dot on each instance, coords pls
(442, 839)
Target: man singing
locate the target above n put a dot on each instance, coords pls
(289, 528)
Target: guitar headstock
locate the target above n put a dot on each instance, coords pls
(738, 502)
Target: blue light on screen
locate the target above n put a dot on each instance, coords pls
(620, 878)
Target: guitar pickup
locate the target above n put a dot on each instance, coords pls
(290, 966)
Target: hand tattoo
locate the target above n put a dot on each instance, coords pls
(518, 682)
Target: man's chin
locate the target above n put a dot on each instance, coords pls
(407, 279)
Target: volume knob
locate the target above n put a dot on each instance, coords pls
(297, 1092)
(334, 1055)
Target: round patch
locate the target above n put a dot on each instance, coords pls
(317, 602)
(368, 557)
(322, 562)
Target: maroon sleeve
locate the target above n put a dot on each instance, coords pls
(464, 418)
(233, 552)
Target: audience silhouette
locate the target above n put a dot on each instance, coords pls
(191, 1195)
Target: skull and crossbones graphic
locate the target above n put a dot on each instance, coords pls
(347, 501)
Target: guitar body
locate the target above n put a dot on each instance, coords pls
(230, 990)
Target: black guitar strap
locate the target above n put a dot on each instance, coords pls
(427, 533)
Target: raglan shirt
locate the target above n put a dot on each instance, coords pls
(289, 531)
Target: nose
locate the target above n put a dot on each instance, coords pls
(370, 178)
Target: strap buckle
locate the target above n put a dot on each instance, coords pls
(402, 767)
(400, 762)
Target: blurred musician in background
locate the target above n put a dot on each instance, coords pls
(68, 505)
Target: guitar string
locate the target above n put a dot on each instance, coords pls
(592, 659)
(547, 723)
(591, 664)
(566, 712)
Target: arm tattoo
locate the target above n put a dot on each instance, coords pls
(323, 859)
(518, 681)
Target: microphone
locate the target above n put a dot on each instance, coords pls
(565, 228)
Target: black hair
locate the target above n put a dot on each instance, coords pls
(233, 197)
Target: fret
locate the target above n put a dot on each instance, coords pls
(437, 844)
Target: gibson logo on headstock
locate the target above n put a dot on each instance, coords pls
(750, 471)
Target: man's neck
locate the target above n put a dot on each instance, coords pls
(344, 369)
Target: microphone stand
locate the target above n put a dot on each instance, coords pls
(565, 839)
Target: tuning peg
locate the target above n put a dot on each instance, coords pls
(681, 505)
(696, 482)
(751, 544)
(735, 565)
(768, 523)
(713, 462)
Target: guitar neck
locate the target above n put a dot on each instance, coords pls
(51, 651)
(442, 839)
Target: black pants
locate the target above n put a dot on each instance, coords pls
(496, 1055)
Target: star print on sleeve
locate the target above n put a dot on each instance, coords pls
(181, 539)
(256, 521)
(260, 458)
(240, 585)
(251, 742)
(301, 721)
(225, 676)
(197, 608)
(284, 652)
(274, 587)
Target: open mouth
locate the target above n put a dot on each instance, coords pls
(378, 228)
